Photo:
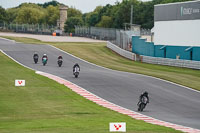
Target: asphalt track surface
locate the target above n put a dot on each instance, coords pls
(168, 102)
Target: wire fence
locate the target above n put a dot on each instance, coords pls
(124, 39)
(119, 37)
(145, 32)
(28, 28)
(108, 34)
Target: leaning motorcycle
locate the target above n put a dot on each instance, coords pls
(60, 62)
(44, 61)
(142, 104)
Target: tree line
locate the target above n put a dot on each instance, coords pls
(115, 16)
(109, 16)
(29, 13)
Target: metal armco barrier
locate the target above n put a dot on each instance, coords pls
(122, 52)
(172, 62)
(154, 60)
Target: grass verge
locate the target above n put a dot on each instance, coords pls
(99, 54)
(44, 106)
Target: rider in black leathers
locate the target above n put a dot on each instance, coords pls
(35, 55)
(145, 94)
(76, 65)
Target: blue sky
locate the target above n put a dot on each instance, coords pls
(83, 5)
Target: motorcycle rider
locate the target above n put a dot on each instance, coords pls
(60, 60)
(45, 56)
(76, 65)
(35, 55)
(145, 94)
(60, 57)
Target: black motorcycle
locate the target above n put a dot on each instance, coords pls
(76, 72)
(35, 58)
(142, 104)
(60, 62)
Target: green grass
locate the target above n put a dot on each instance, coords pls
(48, 107)
(99, 54)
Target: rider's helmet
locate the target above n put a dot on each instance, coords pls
(45, 55)
(145, 93)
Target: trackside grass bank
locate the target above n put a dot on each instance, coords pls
(44, 106)
(99, 54)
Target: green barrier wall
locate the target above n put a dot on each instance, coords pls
(141, 47)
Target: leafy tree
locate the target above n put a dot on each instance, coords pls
(73, 12)
(12, 14)
(2, 15)
(98, 9)
(32, 5)
(71, 23)
(52, 3)
(92, 18)
(111, 16)
(122, 15)
(143, 13)
(52, 15)
(104, 11)
(105, 22)
(30, 15)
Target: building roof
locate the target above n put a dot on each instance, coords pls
(177, 3)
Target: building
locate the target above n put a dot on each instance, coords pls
(177, 24)
(63, 17)
(176, 32)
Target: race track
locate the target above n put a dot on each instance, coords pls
(168, 102)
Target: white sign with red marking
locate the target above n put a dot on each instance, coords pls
(19, 82)
(118, 127)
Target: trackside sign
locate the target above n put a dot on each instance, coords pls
(118, 127)
(19, 82)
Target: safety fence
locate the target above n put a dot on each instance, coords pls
(154, 60)
(122, 52)
(96, 32)
(118, 37)
(124, 39)
(145, 32)
(171, 62)
(28, 28)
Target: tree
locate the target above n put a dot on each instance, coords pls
(72, 12)
(12, 14)
(92, 18)
(52, 15)
(111, 16)
(2, 15)
(71, 23)
(104, 11)
(52, 3)
(30, 15)
(122, 15)
(105, 22)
